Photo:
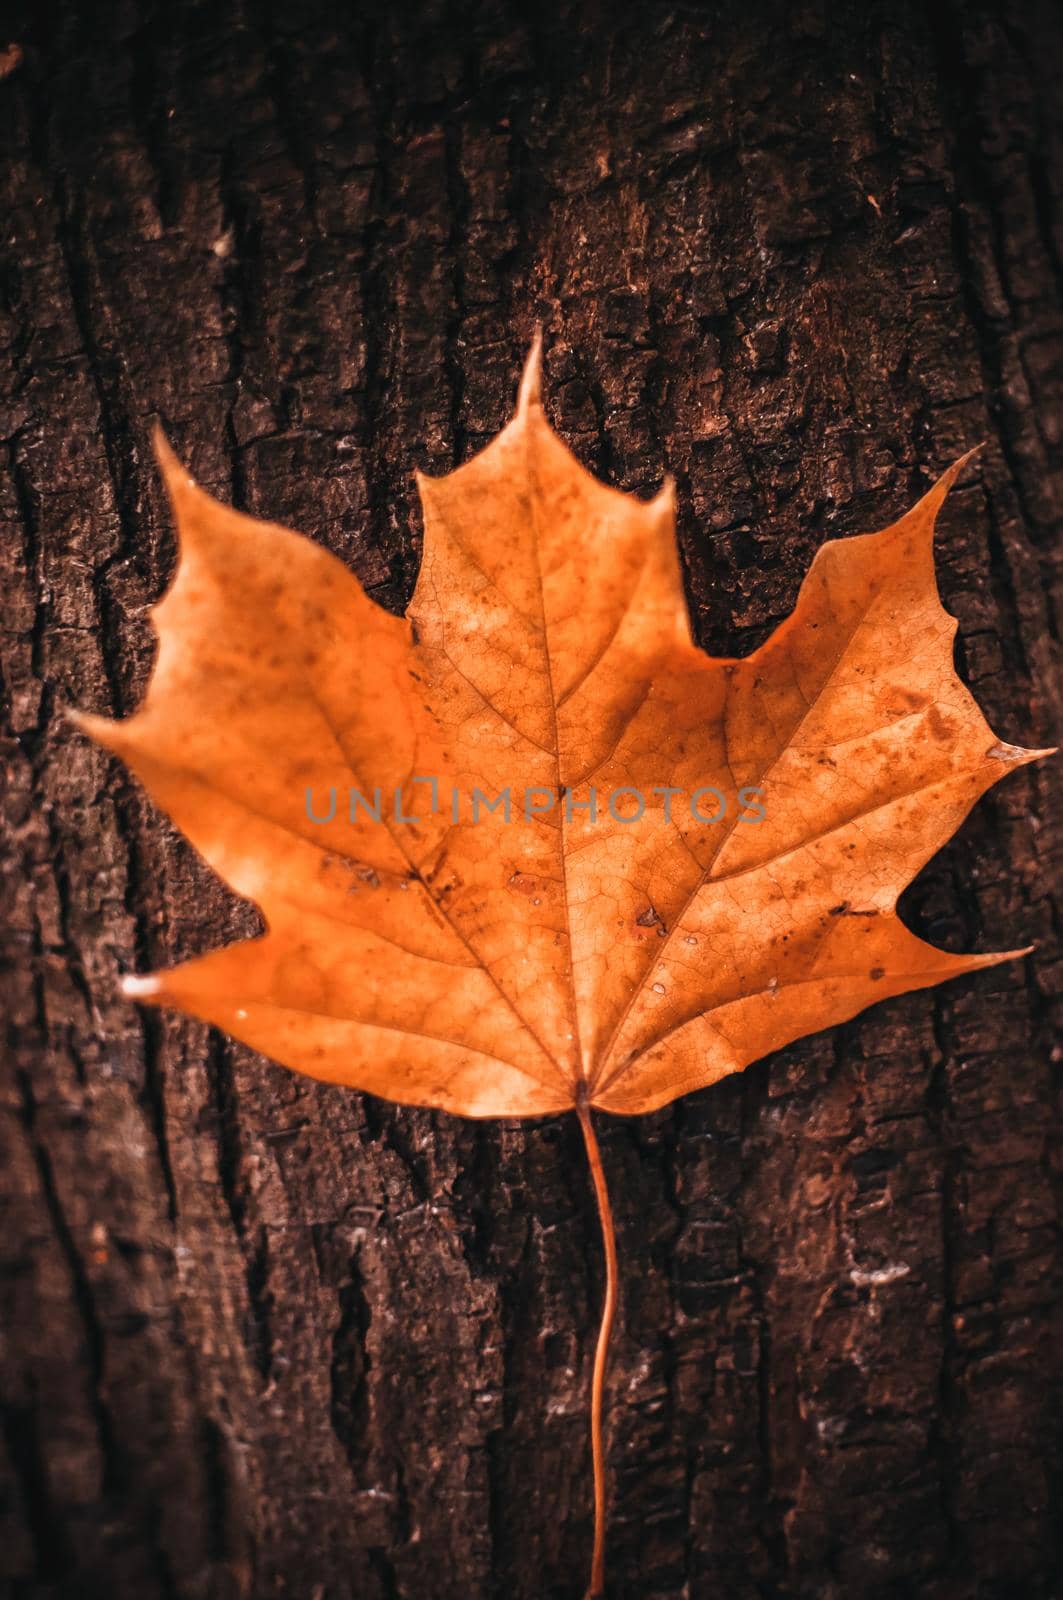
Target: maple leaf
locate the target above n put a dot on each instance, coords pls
(689, 862)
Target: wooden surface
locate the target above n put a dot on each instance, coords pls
(264, 1338)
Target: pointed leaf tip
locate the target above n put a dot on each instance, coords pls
(106, 731)
(665, 496)
(530, 391)
(176, 477)
(164, 452)
(925, 511)
(1016, 754)
(134, 986)
(997, 958)
(951, 473)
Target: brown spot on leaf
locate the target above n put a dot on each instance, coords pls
(524, 883)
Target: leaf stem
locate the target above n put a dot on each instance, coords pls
(596, 1588)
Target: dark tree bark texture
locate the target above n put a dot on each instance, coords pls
(267, 1338)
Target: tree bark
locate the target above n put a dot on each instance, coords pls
(264, 1337)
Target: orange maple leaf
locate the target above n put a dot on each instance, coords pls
(528, 849)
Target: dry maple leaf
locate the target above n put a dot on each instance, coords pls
(607, 943)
